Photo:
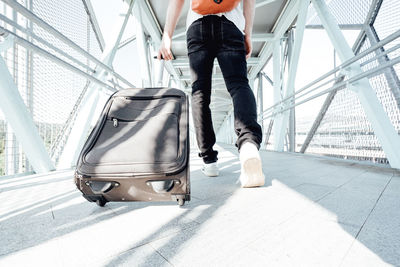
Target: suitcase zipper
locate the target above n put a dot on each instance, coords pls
(150, 97)
(116, 120)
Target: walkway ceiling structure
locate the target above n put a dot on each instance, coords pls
(367, 127)
(267, 15)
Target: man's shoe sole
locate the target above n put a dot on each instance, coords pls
(210, 174)
(253, 170)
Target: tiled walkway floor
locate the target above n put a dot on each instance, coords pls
(317, 212)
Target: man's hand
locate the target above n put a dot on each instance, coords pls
(247, 43)
(248, 12)
(173, 11)
(164, 51)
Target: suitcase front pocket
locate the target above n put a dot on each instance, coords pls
(143, 108)
(148, 142)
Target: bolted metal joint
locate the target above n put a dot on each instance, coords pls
(6, 40)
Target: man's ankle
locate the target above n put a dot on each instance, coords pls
(248, 150)
(210, 169)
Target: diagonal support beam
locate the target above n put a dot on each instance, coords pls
(321, 115)
(94, 23)
(284, 22)
(277, 87)
(142, 47)
(87, 110)
(282, 121)
(390, 73)
(383, 128)
(152, 27)
(260, 3)
(21, 121)
(260, 101)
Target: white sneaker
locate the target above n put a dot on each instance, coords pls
(210, 169)
(251, 168)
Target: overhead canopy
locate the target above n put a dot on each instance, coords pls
(267, 15)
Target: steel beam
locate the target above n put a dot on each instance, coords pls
(30, 46)
(328, 100)
(283, 120)
(152, 27)
(22, 123)
(115, 39)
(142, 46)
(321, 115)
(267, 78)
(87, 110)
(94, 23)
(383, 128)
(277, 76)
(281, 26)
(341, 26)
(260, 3)
(292, 111)
(260, 100)
(390, 74)
(11, 146)
(268, 133)
(47, 27)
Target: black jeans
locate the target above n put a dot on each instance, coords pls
(213, 37)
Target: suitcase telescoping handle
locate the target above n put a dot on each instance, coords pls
(160, 72)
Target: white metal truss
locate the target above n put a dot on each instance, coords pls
(20, 119)
(150, 24)
(86, 113)
(260, 101)
(94, 23)
(148, 36)
(277, 95)
(142, 46)
(285, 20)
(282, 121)
(373, 109)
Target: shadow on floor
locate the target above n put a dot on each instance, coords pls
(335, 189)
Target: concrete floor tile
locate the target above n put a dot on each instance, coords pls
(143, 256)
(305, 241)
(206, 245)
(308, 216)
(126, 230)
(360, 255)
(314, 191)
(351, 203)
(215, 186)
(46, 254)
(379, 239)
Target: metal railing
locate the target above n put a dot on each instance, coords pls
(295, 99)
(42, 49)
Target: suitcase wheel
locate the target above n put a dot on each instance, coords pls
(181, 202)
(101, 202)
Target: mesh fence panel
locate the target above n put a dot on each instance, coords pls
(345, 131)
(48, 89)
(345, 12)
(386, 23)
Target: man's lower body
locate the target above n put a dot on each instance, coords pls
(216, 37)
